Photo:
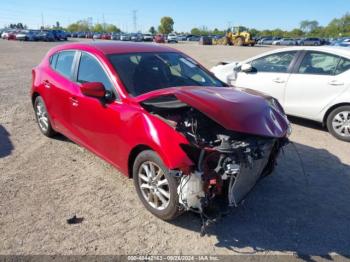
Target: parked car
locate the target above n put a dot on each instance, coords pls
(125, 37)
(89, 35)
(160, 124)
(115, 36)
(181, 37)
(147, 37)
(45, 35)
(27, 35)
(311, 41)
(193, 38)
(59, 35)
(172, 38)
(136, 37)
(205, 40)
(97, 36)
(81, 35)
(106, 36)
(268, 40)
(11, 35)
(309, 82)
(75, 34)
(344, 42)
(160, 39)
(285, 41)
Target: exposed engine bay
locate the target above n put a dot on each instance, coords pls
(227, 163)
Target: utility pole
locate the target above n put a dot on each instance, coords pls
(42, 20)
(134, 19)
(103, 22)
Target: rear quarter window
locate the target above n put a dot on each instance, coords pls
(343, 66)
(64, 63)
(53, 60)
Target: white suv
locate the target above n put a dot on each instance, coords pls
(172, 38)
(309, 82)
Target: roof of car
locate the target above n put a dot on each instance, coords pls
(117, 47)
(336, 50)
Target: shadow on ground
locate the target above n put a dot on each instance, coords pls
(306, 213)
(307, 123)
(6, 145)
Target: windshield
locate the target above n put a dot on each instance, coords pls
(145, 72)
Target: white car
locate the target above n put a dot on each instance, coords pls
(309, 82)
(147, 37)
(172, 38)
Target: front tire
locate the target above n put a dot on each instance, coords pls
(42, 117)
(155, 187)
(338, 123)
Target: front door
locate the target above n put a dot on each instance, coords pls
(270, 74)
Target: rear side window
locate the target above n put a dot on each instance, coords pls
(64, 63)
(344, 65)
(319, 64)
(53, 60)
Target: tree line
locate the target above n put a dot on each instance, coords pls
(338, 27)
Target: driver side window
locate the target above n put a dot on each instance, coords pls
(274, 63)
(90, 70)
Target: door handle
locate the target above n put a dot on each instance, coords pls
(74, 101)
(336, 83)
(278, 80)
(47, 84)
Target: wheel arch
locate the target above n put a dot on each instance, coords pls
(34, 96)
(133, 154)
(329, 110)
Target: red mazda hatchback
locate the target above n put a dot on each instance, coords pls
(162, 119)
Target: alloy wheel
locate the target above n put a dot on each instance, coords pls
(154, 185)
(42, 117)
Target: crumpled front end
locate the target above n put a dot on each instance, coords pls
(227, 162)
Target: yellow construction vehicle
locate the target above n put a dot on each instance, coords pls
(236, 37)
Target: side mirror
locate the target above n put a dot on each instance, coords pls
(93, 89)
(246, 68)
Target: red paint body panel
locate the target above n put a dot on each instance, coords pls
(113, 130)
(233, 109)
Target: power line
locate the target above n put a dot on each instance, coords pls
(134, 19)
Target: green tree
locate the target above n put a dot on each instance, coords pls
(112, 29)
(166, 25)
(80, 26)
(296, 32)
(195, 31)
(98, 28)
(307, 26)
(73, 27)
(152, 30)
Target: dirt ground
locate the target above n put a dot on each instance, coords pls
(45, 181)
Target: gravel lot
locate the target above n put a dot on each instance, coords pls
(45, 181)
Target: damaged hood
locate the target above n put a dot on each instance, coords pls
(236, 110)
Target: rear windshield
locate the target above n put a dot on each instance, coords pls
(145, 72)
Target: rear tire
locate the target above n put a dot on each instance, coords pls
(163, 200)
(43, 118)
(338, 123)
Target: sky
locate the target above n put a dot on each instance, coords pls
(259, 14)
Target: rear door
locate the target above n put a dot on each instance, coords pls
(317, 80)
(270, 74)
(58, 85)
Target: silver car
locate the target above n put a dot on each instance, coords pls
(125, 37)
